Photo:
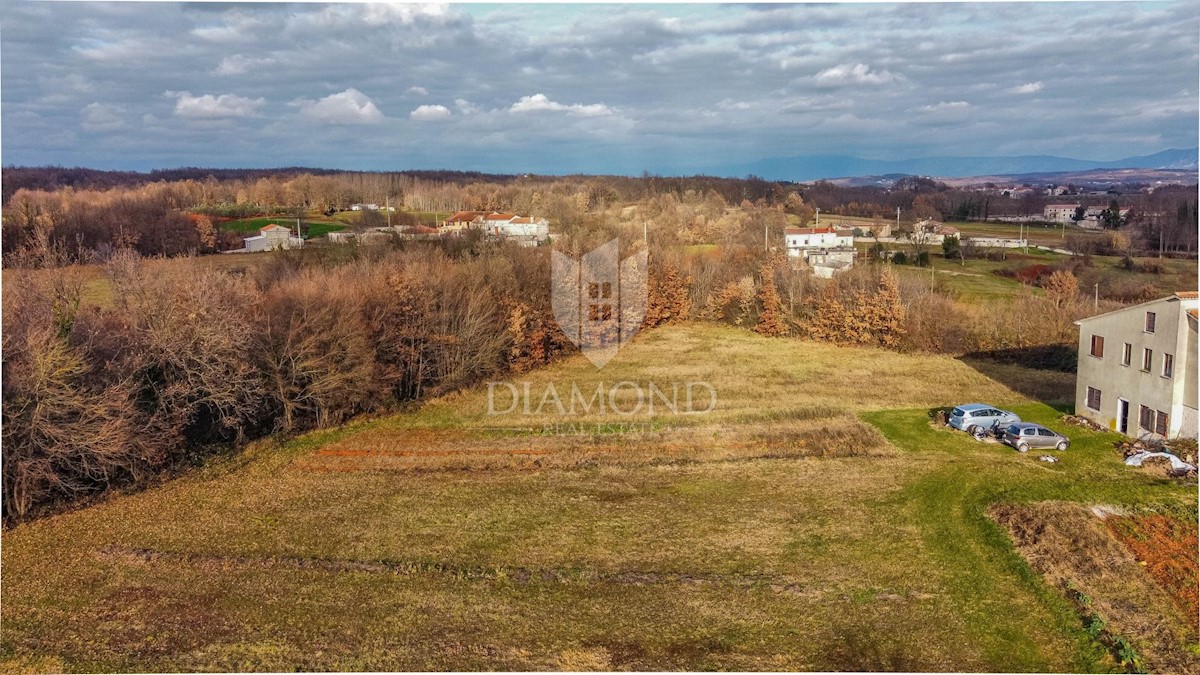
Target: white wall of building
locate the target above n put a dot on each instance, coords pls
(1174, 334)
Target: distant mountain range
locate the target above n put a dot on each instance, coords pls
(815, 167)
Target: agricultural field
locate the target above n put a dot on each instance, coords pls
(428, 218)
(1038, 234)
(815, 519)
(313, 227)
(977, 279)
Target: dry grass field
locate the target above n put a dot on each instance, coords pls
(813, 520)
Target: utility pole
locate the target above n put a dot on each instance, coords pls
(766, 239)
(387, 207)
(645, 234)
(818, 216)
(897, 219)
(1096, 300)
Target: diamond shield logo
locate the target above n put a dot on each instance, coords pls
(597, 302)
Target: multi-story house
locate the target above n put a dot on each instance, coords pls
(1137, 370)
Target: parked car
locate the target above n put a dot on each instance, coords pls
(1025, 435)
(980, 418)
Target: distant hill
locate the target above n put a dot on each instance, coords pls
(815, 167)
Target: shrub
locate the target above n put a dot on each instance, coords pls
(314, 352)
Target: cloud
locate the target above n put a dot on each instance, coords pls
(214, 107)
(404, 13)
(239, 65)
(540, 102)
(1027, 88)
(427, 113)
(943, 106)
(730, 104)
(237, 27)
(121, 50)
(858, 73)
(347, 107)
(631, 88)
(101, 117)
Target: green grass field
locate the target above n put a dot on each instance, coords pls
(814, 520)
(1036, 233)
(312, 227)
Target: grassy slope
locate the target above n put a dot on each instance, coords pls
(421, 541)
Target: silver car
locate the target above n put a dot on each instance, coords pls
(1025, 435)
(980, 418)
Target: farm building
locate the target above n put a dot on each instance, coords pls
(1137, 370)
(272, 237)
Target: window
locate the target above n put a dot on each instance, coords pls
(1098, 346)
(1150, 322)
(1168, 365)
(1093, 398)
(600, 311)
(1160, 423)
(1127, 354)
(1146, 418)
(1147, 359)
(1045, 432)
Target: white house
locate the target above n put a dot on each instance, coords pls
(527, 230)
(1137, 370)
(800, 240)
(1059, 213)
(272, 237)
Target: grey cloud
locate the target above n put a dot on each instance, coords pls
(618, 85)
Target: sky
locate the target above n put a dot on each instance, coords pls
(610, 88)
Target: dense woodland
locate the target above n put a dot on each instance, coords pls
(188, 359)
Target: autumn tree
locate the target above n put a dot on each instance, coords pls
(770, 316)
(828, 319)
(883, 312)
(1062, 288)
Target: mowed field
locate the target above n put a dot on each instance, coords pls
(813, 520)
(313, 227)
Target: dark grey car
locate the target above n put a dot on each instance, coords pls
(1026, 435)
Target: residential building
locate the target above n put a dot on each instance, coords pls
(461, 220)
(1059, 213)
(801, 240)
(824, 263)
(272, 237)
(1137, 371)
(877, 230)
(528, 230)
